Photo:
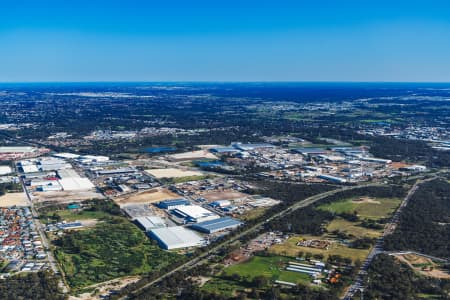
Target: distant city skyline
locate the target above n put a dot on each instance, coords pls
(336, 41)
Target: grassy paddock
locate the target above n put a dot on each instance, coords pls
(380, 208)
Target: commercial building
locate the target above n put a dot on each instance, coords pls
(217, 225)
(176, 237)
(194, 213)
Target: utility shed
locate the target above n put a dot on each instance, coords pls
(217, 225)
(176, 237)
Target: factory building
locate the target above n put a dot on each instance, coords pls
(176, 237)
(310, 151)
(172, 204)
(332, 178)
(217, 225)
(220, 203)
(150, 222)
(250, 147)
(194, 213)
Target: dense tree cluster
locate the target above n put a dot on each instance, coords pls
(310, 220)
(424, 223)
(31, 286)
(389, 279)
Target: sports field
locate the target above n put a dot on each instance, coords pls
(272, 267)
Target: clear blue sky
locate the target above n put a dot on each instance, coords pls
(227, 40)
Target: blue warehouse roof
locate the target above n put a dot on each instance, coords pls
(217, 225)
(174, 202)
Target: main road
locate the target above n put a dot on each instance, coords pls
(45, 242)
(203, 257)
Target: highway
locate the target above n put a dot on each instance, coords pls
(203, 257)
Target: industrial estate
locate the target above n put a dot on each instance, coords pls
(171, 209)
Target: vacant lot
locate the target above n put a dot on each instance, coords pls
(14, 199)
(290, 248)
(369, 208)
(112, 249)
(423, 265)
(147, 197)
(225, 195)
(352, 228)
(172, 173)
(61, 197)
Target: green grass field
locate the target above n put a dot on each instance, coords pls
(352, 228)
(272, 267)
(111, 249)
(376, 209)
(223, 286)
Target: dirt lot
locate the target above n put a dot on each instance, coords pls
(104, 288)
(366, 200)
(423, 265)
(11, 199)
(226, 195)
(65, 196)
(147, 197)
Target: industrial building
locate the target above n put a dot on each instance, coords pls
(217, 225)
(220, 203)
(173, 203)
(150, 222)
(332, 178)
(194, 213)
(250, 147)
(176, 237)
(310, 151)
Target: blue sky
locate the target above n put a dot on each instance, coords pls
(224, 40)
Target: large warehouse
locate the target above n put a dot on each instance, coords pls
(172, 203)
(176, 237)
(195, 213)
(150, 222)
(217, 225)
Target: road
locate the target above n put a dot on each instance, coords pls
(41, 229)
(203, 257)
(358, 283)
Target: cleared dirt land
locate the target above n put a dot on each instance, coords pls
(423, 265)
(65, 196)
(228, 195)
(147, 197)
(172, 173)
(199, 154)
(103, 288)
(11, 199)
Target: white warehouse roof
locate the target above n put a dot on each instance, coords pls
(195, 213)
(176, 237)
